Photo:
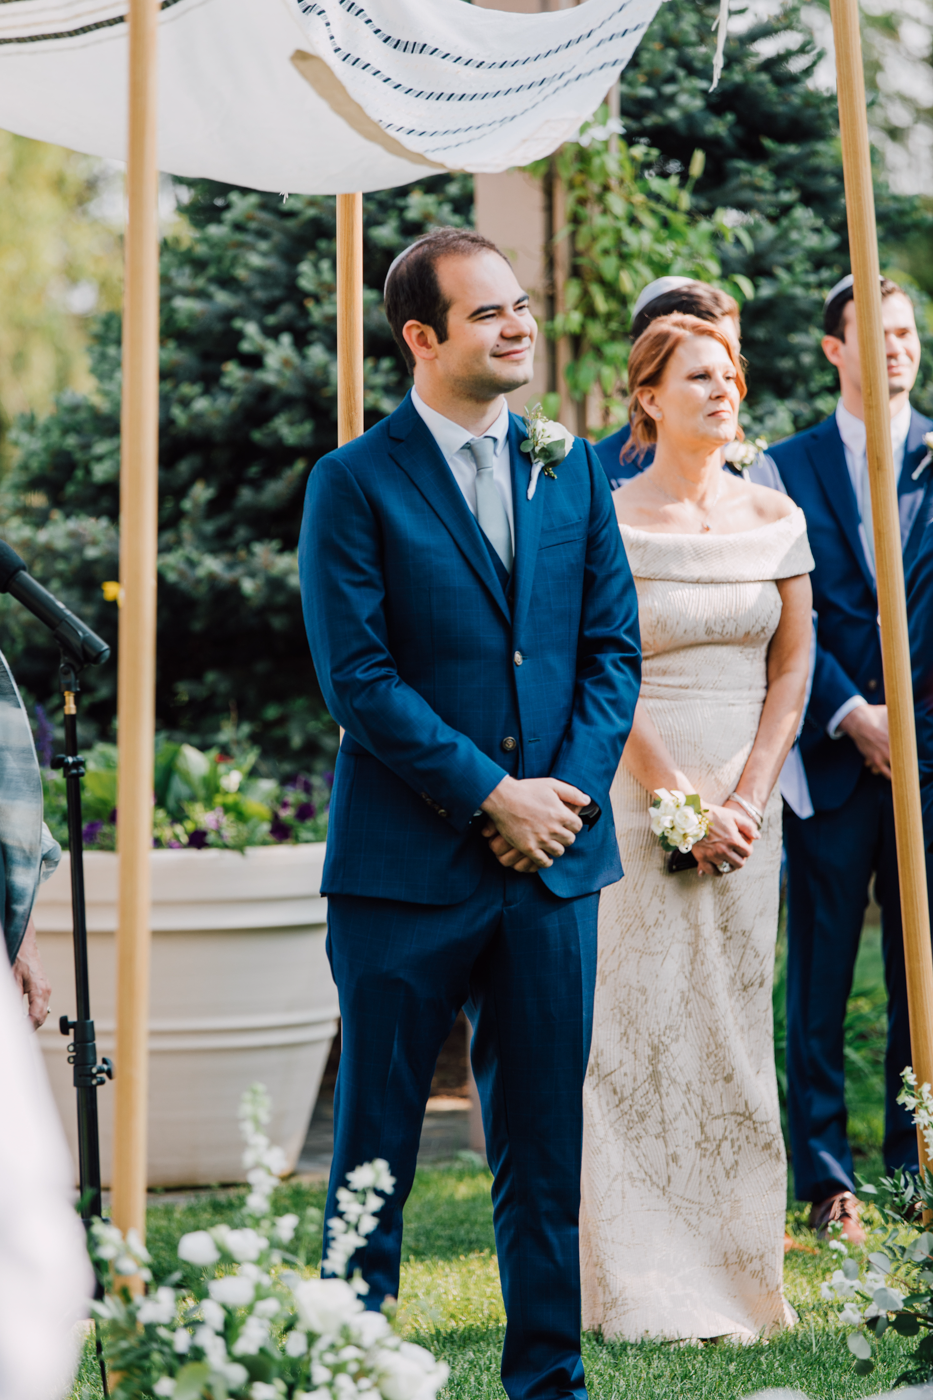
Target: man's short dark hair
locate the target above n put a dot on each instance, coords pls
(692, 299)
(412, 291)
(834, 311)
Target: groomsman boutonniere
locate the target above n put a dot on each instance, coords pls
(742, 454)
(928, 444)
(679, 821)
(548, 443)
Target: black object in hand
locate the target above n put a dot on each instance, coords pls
(680, 860)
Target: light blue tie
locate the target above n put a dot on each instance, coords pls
(490, 509)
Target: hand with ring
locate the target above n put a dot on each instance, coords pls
(729, 843)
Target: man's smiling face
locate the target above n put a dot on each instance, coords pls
(489, 347)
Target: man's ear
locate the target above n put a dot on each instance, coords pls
(420, 339)
(832, 349)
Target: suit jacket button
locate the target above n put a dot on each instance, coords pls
(508, 744)
(518, 658)
(873, 684)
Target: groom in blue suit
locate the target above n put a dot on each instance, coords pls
(473, 624)
(833, 855)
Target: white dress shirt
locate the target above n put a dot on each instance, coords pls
(453, 441)
(852, 432)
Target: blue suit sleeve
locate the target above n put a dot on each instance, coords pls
(920, 615)
(831, 687)
(608, 652)
(343, 598)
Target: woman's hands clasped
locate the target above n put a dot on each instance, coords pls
(729, 841)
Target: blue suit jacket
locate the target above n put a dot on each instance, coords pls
(609, 450)
(920, 613)
(427, 664)
(848, 655)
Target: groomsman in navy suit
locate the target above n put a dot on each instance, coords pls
(660, 298)
(833, 855)
(920, 610)
(474, 627)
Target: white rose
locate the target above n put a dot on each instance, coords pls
(285, 1227)
(158, 1308)
(231, 781)
(164, 1386)
(266, 1307)
(254, 1335)
(245, 1245)
(325, 1305)
(296, 1343)
(369, 1327)
(549, 431)
(410, 1373)
(198, 1248)
(234, 1291)
(213, 1315)
(182, 1341)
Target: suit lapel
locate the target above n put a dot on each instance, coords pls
(910, 493)
(828, 459)
(527, 520)
(415, 451)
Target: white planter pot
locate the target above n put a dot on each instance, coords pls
(241, 992)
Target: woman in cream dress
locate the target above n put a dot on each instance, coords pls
(684, 1174)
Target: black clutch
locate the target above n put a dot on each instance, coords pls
(678, 860)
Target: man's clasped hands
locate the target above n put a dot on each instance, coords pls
(532, 821)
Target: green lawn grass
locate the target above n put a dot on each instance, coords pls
(450, 1298)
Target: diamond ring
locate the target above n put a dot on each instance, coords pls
(725, 868)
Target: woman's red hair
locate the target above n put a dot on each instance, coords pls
(648, 363)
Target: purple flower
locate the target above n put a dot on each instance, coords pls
(285, 806)
(174, 845)
(305, 812)
(328, 779)
(279, 831)
(45, 737)
(214, 820)
(198, 839)
(299, 783)
(112, 819)
(91, 832)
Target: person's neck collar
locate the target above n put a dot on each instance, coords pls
(469, 420)
(854, 411)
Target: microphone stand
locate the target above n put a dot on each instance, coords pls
(82, 1052)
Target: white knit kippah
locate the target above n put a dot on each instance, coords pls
(657, 288)
(843, 285)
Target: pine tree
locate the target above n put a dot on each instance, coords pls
(770, 140)
(248, 403)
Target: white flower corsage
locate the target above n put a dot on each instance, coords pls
(928, 444)
(678, 820)
(744, 454)
(547, 441)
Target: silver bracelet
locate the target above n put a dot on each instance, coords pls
(753, 812)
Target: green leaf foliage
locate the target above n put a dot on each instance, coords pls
(771, 158)
(248, 403)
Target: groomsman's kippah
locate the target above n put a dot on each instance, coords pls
(842, 285)
(657, 288)
(395, 262)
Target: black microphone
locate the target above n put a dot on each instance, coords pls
(83, 646)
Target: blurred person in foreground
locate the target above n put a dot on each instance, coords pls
(833, 855)
(920, 612)
(687, 297)
(45, 1277)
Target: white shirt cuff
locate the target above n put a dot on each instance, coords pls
(832, 729)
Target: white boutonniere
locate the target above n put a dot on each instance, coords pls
(928, 444)
(547, 442)
(678, 820)
(743, 454)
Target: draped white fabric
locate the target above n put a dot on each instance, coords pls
(318, 96)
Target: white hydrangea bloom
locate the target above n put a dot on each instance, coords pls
(233, 1291)
(159, 1307)
(198, 1248)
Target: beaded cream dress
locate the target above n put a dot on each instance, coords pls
(684, 1173)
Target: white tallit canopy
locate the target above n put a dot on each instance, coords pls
(318, 96)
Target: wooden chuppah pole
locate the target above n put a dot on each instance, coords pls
(137, 637)
(895, 645)
(349, 317)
